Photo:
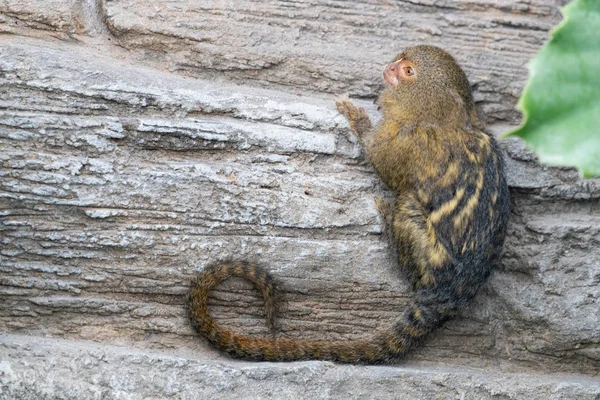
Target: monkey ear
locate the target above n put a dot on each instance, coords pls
(458, 98)
(460, 103)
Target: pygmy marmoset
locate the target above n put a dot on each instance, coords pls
(448, 221)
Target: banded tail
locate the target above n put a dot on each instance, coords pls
(422, 317)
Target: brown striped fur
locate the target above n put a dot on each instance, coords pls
(448, 220)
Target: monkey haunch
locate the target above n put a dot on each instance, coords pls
(448, 221)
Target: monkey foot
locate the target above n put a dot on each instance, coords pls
(384, 208)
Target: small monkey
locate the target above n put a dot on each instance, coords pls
(448, 221)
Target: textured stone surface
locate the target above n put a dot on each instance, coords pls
(55, 16)
(337, 46)
(80, 371)
(120, 178)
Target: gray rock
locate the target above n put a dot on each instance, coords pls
(53, 369)
(134, 153)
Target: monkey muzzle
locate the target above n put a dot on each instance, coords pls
(390, 73)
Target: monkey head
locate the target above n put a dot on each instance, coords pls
(425, 85)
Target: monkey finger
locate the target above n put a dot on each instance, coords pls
(348, 109)
(345, 106)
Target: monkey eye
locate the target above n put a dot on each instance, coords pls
(409, 71)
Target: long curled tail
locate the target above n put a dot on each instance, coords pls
(417, 321)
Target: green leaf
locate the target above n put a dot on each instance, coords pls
(561, 101)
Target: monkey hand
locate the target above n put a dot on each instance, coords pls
(358, 119)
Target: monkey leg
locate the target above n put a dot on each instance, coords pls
(412, 235)
(358, 119)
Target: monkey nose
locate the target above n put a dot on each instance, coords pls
(392, 67)
(390, 73)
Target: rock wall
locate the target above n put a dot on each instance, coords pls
(142, 140)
